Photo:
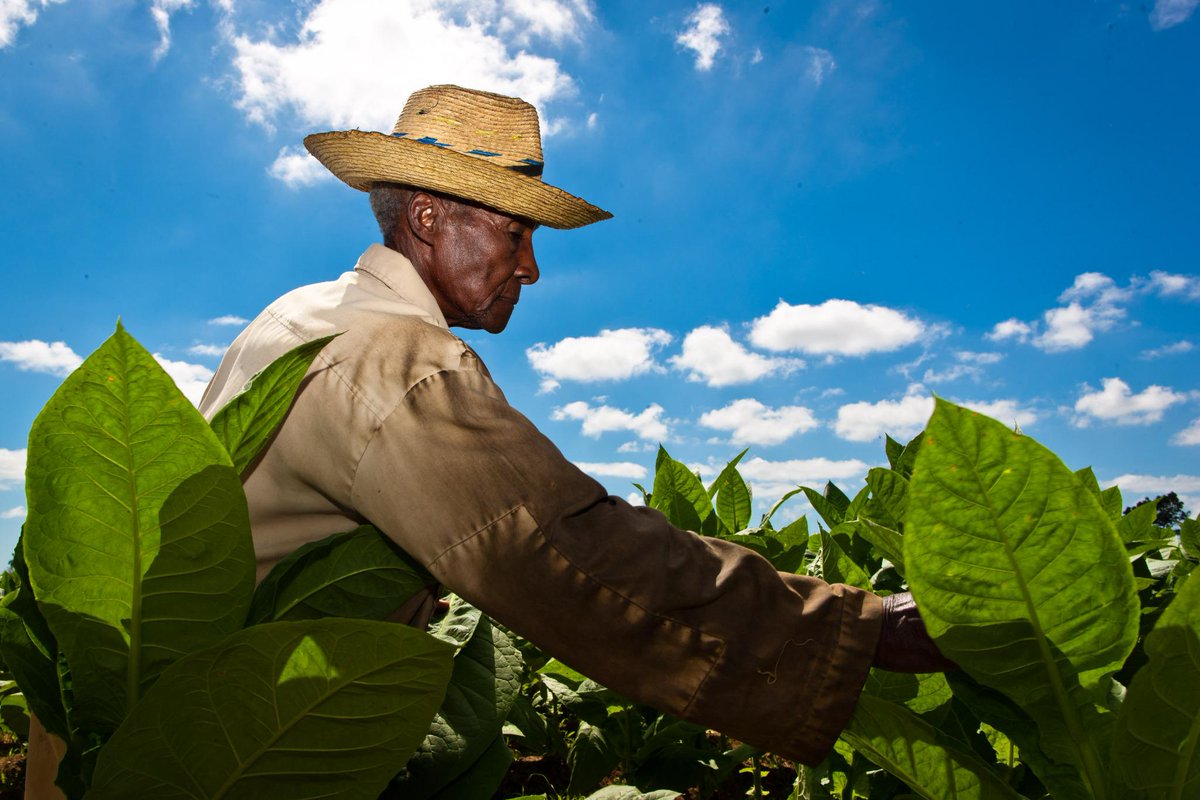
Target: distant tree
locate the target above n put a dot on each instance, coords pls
(1171, 512)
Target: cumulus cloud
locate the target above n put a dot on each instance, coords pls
(15, 13)
(835, 327)
(750, 422)
(969, 357)
(820, 64)
(353, 62)
(612, 355)
(16, 512)
(228, 319)
(770, 480)
(12, 467)
(1168, 13)
(952, 373)
(207, 350)
(711, 356)
(1166, 284)
(1173, 349)
(603, 419)
(901, 419)
(613, 469)
(1117, 403)
(1010, 412)
(1189, 435)
(34, 355)
(706, 27)
(161, 11)
(1011, 328)
(192, 379)
(296, 168)
(1187, 487)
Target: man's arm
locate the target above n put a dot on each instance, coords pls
(701, 628)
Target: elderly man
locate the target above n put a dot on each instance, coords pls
(399, 424)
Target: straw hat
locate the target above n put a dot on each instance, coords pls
(475, 145)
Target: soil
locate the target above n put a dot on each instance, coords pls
(12, 768)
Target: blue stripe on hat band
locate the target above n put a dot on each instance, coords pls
(528, 166)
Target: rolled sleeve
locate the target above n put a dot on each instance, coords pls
(697, 627)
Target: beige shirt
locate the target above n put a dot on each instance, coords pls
(399, 424)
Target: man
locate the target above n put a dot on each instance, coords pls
(399, 424)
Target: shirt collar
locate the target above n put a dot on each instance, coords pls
(397, 273)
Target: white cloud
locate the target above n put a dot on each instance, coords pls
(354, 62)
(192, 379)
(1117, 403)
(705, 28)
(1173, 349)
(1068, 328)
(1011, 328)
(952, 373)
(1169, 284)
(591, 120)
(751, 422)
(820, 64)
(1096, 287)
(769, 480)
(34, 355)
(635, 499)
(613, 355)
(16, 512)
(968, 357)
(835, 327)
(161, 11)
(1189, 435)
(15, 13)
(12, 467)
(228, 319)
(902, 419)
(1168, 13)
(613, 469)
(602, 419)
(1187, 487)
(1007, 411)
(757, 56)
(207, 350)
(710, 355)
(296, 168)
(635, 447)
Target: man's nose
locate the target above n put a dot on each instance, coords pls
(527, 268)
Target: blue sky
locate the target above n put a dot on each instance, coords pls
(824, 212)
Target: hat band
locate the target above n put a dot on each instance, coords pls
(528, 166)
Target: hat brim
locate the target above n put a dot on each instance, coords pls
(360, 158)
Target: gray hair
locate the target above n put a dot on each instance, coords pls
(389, 203)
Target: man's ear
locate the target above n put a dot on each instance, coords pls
(423, 216)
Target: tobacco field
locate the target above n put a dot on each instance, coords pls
(132, 628)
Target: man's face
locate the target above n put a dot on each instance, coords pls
(481, 260)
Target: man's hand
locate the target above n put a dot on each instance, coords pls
(904, 646)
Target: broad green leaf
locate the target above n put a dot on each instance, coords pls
(1155, 750)
(679, 494)
(591, 758)
(729, 469)
(289, 710)
(836, 497)
(908, 458)
(912, 750)
(459, 624)
(1020, 577)
(1138, 524)
(733, 503)
(360, 574)
(1189, 538)
(138, 539)
(249, 420)
(483, 687)
(1088, 478)
(918, 693)
(837, 566)
(893, 449)
(1110, 498)
(482, 777)
(766, 520)
(828, 511)
(888, 542)
(794, 534)
(617, 792)
(890, 489)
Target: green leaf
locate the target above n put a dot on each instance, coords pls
(591, 758)
(837, 498)
(482, 777)
(829, 512)
(360, 574)
(485, 683)
(893, 449)
(616, 792)
(1189, 538)
(908, 458)
(733, 503)
(729, 469)
(766, 520)
(888, 542)
(1110, 498)
(1138, 524)
(890, 489)
(1020, 577)
(1155, 750)
(289, 710)
(912, 750)
(138, 538)
(250, 419)
(837, 567)
(918, 693)
(459, 624)
(679, 494)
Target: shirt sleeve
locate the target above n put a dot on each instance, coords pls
(698, 627)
